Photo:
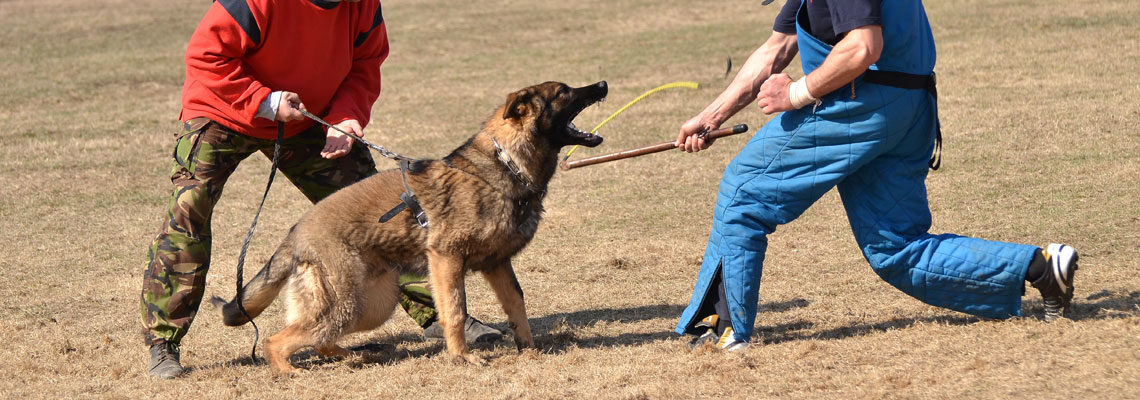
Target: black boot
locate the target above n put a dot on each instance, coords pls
(474, 330)
(164, 361)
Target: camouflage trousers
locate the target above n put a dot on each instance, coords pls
(205, 156)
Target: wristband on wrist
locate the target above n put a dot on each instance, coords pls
(799, 95)
(268, 107)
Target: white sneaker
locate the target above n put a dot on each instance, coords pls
(728, 341)
(1056, 285)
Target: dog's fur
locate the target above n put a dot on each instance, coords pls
(338, 265)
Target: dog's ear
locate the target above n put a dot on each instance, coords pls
(516, 104)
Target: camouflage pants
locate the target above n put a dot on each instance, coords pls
(204, 157)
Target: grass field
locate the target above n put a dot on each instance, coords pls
(1039, 114)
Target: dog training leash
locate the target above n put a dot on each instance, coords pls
(249, 236)
(383, 152)
(408, 199)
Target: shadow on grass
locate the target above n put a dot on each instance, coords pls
(561, 330)
(557, 333)
(237, 362)
(554, 334)
(1101, 305)
(1106, 304)
(802, 330)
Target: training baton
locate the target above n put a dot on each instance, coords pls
(657, 148)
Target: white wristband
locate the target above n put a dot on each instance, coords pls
(268, 107)
(799, 95)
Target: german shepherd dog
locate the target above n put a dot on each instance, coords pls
(338, 265)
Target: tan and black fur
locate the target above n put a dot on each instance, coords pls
(338, 265)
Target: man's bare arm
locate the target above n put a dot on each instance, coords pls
(771, 58)
(858, 49)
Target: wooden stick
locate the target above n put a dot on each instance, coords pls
(657, 148)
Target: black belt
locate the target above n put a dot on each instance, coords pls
(911, 81)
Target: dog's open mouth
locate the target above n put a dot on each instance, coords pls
(595, 93)
(581, 137)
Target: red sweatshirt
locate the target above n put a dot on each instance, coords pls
(329, 53)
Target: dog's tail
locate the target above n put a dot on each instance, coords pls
(259, 293)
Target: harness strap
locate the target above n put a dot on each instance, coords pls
(408, 200)
(394, 211)
(911, 81)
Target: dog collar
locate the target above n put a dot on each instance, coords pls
(508, 162)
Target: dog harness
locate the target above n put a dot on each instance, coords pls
(408, 200)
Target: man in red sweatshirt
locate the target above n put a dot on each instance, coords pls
(250, 65)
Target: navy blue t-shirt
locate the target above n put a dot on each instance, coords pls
(828, 21)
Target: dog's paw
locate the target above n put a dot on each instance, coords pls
(286, 371)
(470, 359)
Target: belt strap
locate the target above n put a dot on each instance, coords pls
(911, 81)
(901, 80)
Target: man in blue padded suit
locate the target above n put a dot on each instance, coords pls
(864, 119)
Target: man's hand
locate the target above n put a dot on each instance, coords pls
(773, 97)
(689, 140)
(289, 108)
(338, 144)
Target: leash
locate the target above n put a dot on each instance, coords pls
(249, 237)
(408, 199)
(383, 152)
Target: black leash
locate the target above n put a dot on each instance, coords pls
(249, 236)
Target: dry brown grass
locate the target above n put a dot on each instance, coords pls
(1039, 113)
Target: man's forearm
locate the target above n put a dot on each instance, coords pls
(849, 58)
(772, 57)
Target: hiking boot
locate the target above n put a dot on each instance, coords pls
(474, 330)
(1056, 285)
(708, 325)
(164, 361)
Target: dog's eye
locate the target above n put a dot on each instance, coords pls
(564, 90)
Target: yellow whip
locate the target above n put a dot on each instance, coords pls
(690, 85)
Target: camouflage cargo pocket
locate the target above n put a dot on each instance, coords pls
(186, 149)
